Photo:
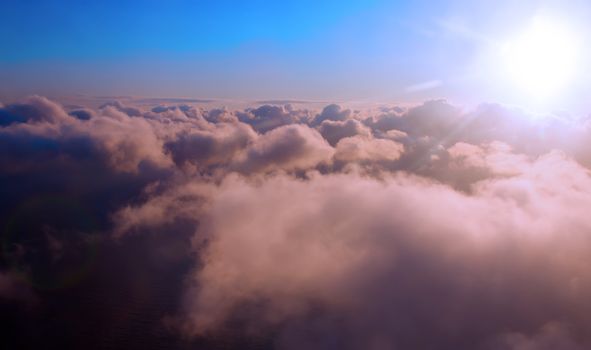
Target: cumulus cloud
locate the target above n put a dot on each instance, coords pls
(269, 117)
(33, 109)
(369, 260)
(367, 149)
(129, 110)
(427, 226)
(332, 112)
(215, 145)
(333, 131)
(291, 147)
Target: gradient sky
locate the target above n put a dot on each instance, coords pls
(332, 50)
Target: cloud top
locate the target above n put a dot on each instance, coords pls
(418, 227)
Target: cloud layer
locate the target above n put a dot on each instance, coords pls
(282, 227)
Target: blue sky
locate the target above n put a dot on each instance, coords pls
(334, 50)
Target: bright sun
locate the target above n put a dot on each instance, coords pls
(542, 59)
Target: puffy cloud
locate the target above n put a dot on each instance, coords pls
(99, 163)
(436, 118)
(129, 110)
(420, 227)
(351, 258)
(385, 122)
(496, 157)
(367, 149)
(34, 109)
(161, 109)
(127, 141)
(82, 114)
(433, 118)
(269, 117)
(291, 147)
(333, 131)
(464, 164)
(217, 145)
(332, 112)
(220, 115)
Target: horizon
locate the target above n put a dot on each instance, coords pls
(381, 175)
(373, 51)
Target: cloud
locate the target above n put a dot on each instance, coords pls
(82, 114)
(269, 117)
(34, 109)
(129, 110)
(217, 145)
(59, 171)
(367, 149)
(425, 226)
(426, 85)
(291, 147)
(332, 112)
(385, 257)
(333, 131)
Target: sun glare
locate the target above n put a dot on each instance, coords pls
(542, 59)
